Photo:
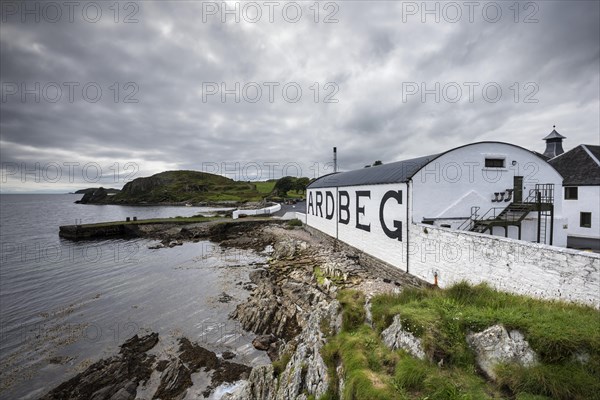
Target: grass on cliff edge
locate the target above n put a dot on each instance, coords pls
(557, 331)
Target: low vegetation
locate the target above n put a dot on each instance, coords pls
(185, 186)
(294, 222)
(196, 187)
(566, 338)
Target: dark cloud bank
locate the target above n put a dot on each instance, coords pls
(376, 81)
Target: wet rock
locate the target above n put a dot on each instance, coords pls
(176, 377)
(396, 337)
(496, 345)
(186, 233)
(229, 372)
(113, 378)
(228, 355)
(162, 365)
(60, 360)
(225, 298)
(137, 345)
(273, 350)
(263, 342)
(127, 392)
(258, 275)
(174, 381)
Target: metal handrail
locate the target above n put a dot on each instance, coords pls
(543, 193)
(472, 218)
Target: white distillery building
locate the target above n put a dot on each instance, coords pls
(580, 169)
(490, 188)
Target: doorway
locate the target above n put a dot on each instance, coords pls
(518, 189)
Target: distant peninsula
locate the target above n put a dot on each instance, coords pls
(180, 187)
(92, 190)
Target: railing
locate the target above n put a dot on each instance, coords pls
(500, 214)
(471, 220)
(543, 193)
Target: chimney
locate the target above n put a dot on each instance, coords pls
(335, 159)
(554, 144)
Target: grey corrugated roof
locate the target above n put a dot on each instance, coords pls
(577, 167)
(395, 172)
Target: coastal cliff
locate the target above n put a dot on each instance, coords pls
(336, 325)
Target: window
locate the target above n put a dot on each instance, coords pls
(494, 162)
(585, 219)
(571, 193)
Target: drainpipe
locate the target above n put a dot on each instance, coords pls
(408, 188)
(337, 213)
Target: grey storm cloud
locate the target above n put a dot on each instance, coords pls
(160, 74)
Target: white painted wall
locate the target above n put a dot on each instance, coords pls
(506, 264)
(375, 241)
(448, 186)
(262, 211)
(294, 215)
(515, 266)
(588, 201)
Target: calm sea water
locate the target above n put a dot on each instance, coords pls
(64, 305)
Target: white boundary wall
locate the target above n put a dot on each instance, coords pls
(262, 211)
(294, 215)
(509, 265)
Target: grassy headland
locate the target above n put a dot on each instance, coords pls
(194, 187)
(561, 334)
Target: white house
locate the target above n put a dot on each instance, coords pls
(580, 168)
(492, 188)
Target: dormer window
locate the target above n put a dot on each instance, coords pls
(494, 162)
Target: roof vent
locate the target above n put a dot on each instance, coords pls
(554, 144)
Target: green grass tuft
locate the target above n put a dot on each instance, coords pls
(557, 331)
(353, 309)
(294, 222)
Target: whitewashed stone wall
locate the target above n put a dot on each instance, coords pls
(506, 264)
(263, 211)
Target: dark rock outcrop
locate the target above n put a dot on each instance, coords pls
(176, 377)
(93, 196)
(112, 378)
(263, 342)
(118, 377)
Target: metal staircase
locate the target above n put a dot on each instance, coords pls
(540, 199)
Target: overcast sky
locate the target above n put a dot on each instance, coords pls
(380, 80)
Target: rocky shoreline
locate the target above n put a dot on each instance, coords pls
(292, 309)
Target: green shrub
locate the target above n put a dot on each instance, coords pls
(294, 222)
